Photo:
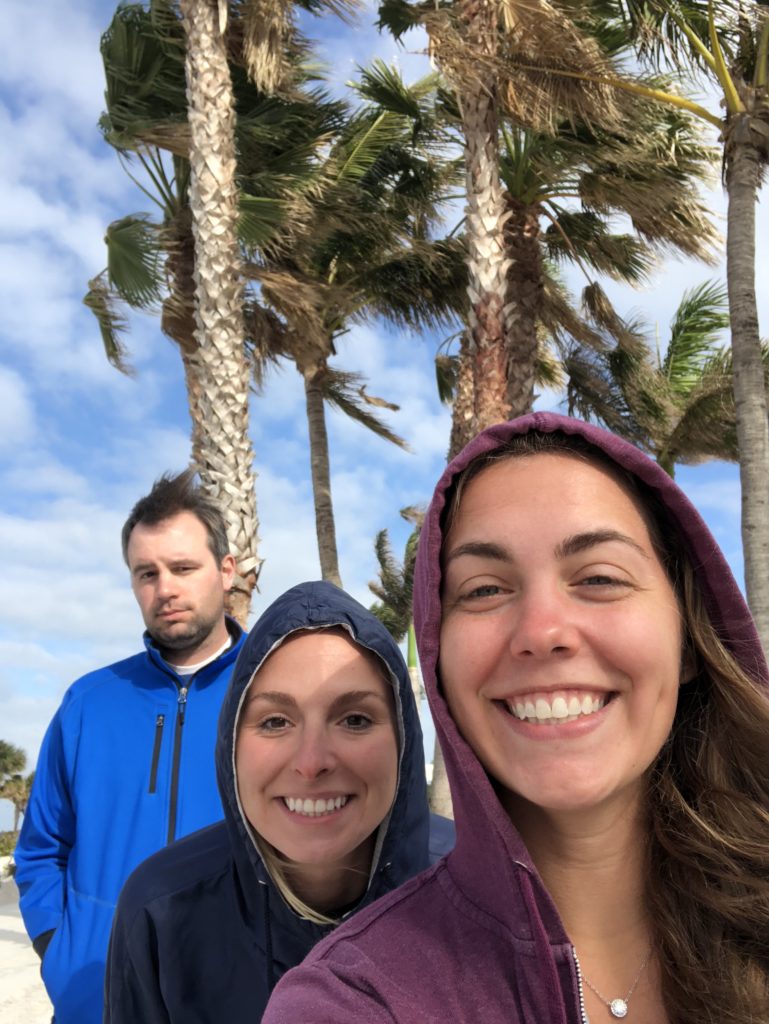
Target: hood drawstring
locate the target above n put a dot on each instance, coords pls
(270, 964)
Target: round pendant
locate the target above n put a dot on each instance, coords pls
(618, 1008)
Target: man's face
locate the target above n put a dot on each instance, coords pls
(179, 587)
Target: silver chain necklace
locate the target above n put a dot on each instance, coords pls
(618, 1007)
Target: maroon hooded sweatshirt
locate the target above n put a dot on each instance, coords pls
(477, 938)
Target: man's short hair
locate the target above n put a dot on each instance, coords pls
(170, 495)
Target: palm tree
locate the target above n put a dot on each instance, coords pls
(394, 589)
(12, 759)
(225, 451)
(678, 406)
(17, 788)
(473, 44)
(13, 786)
(307, 228)
(362, 248)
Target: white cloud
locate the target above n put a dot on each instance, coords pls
(17, 416)
(65, 44)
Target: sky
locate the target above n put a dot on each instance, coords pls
(79, 442)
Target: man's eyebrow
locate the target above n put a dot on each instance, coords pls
(141, 566)
(591, 538)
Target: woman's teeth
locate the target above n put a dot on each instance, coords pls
(555, 709)
(314, 808)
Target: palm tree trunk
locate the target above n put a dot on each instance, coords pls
(321, 475)
(743, 175)
(463, 406)
(178, 315)
(412, 663)
(440, 793)
(487, 263)
(525, 286)
(226, 454)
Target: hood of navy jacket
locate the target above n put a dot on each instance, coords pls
(487, 842)
(402, 845)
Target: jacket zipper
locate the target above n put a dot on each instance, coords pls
(159, 722)
(580, 988)
(181, 707)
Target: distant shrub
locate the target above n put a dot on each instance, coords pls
(8, 843)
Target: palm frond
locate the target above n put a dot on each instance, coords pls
(344, 390)
(700, 318)
(143, 56)
(584, 236)
(134, 260)
(101, 301)
(260, 217)
(446, 372)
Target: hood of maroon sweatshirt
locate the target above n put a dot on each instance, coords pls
(482, 824)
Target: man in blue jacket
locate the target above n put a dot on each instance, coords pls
(127, 764)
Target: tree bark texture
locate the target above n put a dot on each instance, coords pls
(325, 527)
(488, 264)
(226, 453)
(463, 406)
(178, 315)
(525, 286)
(743, 175)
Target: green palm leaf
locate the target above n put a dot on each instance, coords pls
(699, 320)
(134, 260)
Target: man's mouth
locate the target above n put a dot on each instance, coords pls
(558, 707)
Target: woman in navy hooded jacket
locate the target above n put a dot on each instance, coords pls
(600, 694)
(321, 771)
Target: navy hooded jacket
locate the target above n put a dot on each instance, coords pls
(202, 934)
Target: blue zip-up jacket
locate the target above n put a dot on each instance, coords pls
(201, 933)
(125, 767)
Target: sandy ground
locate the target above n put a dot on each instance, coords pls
(22, 996)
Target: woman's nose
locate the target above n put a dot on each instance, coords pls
(314, 756)
(544, 625)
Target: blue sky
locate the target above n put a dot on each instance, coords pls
(79, 442)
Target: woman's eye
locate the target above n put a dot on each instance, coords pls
(485, 590)
(599, 579)
(356, 722)
(274, 723)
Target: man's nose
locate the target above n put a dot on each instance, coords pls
(167, 584)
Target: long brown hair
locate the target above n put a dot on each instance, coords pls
(707, 884)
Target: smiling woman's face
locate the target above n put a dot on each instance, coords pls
(561, 640)
(316, 754)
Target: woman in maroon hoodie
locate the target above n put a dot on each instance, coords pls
(601, 698)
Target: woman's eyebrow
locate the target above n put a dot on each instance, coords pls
(353, 697)
(480, 549)
(571, 546)
(272, 697)
(582, 541)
